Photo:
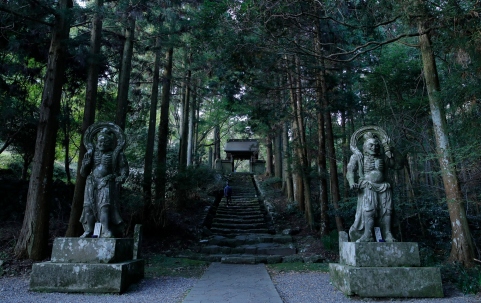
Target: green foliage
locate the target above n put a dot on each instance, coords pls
(273, 182)
(468, 280)
(9, 161)
(160, 265)
(331, 241)
(188, 182)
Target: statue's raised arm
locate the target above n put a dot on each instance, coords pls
(105, 166)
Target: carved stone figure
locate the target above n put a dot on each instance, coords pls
(374, 205)
(106, 168)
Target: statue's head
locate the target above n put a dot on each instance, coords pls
(371, 144)
(105, 140)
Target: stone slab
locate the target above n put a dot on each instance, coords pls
(234, 283)
(84, 277)
(383, 254)
(92, 250)
(406, 282)
(239, 260)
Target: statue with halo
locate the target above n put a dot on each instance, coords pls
(374, 204)
(106, 168)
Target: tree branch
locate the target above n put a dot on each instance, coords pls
(4, 9)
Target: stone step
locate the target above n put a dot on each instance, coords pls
(254, 249)
(248, 239)
(230, 231)
(241, 259)
(238, 220)
(238, 212)
(235, 216)
(240, 226)
(241, 204)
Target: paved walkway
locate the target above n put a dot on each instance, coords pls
(234, 283)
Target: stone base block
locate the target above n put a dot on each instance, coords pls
(83, 277)
(92, 250)
(374, 254)
(412, 282)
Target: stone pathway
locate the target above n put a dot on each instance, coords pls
(234, 283)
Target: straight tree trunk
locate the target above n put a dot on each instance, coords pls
(195, 158)
(278, 152)
(163, 134)
(301, 145)
(26, 164)
(124, 78)
(66, 143)
(269, 156)
(321, 135)
(287, 163)
(345, 153)
(297, 171)
(74, 227)
(216, 143)
(33, 238)
(322, 166)
(149, 149)
(191, 135)
(185, 123)
(462, 248)
(331, 152)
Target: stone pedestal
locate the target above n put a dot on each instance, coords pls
(88, 265)
(384, 270)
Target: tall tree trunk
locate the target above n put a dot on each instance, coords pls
(278, 152)
(26, 163)
(331, 152)
(185, 122)
(322, 166)
(195, 158)
(33, 238)
(74, 227)
(124, 78)
(216, 143)
(269, 155)
(301, 145)
(321, 135)
(210, 158)
(66, 142)
(462, 248)
(345, 153)
(149, 149)
(163, 134)
(191, 136)
(297, 171)
(287, 163)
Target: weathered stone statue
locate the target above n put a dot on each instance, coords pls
(374, 205)
(106, 168)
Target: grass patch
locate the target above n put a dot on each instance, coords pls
(160, 265)
(297, 267)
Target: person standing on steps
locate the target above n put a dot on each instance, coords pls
(228, 194)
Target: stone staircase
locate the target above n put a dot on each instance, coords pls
(242, 232)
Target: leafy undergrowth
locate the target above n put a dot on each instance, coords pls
(467, 280)
(160, 265)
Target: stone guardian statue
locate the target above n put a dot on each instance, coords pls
(106, 168)
(366, 173)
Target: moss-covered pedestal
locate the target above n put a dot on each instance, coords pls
(105, 265)
(384, 270)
